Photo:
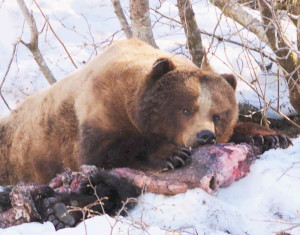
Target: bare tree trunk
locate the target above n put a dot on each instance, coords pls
(192, 32)
(241, 16)
(121, 16)
(33, 46)
(286, 57)
(270, 32)
(141, 22)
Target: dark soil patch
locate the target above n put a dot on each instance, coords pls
(284, 126)
(249, 113)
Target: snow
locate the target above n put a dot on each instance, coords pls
(84, 25)
(264, 202)
(268, 194)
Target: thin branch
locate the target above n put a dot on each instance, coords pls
(237, 13)
(7, 71)
(164, 16)
(287, 57)
(220, 38)
(269, 31)
(122, 18)
(259, 95)
(33, 45)
(91, 35)
(298, 33)
(214, 31)
(282, 232)
(289, 168)
(52, 30)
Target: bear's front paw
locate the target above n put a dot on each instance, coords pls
(266, 142)
(180, 157)
(57, 213)
(168, 157)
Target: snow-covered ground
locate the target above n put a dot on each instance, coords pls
(86, 27)
(266, 201)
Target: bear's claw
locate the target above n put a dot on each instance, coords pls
(268, 142)
(180, 160)
(180, 157)
(186, 151)
(170, 165)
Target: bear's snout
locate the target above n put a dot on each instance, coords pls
(206, 137)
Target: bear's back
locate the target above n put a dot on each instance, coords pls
(137, 54)
(44, 129)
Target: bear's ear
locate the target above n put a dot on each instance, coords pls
(161, 67)
(230, 78)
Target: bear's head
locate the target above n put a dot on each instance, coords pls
(189, 108)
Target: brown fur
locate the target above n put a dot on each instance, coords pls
(252, 129)
(121, 109)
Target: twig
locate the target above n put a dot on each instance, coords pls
(276, 221)
(278, 89)
(55, 35)
(288, 229)
(263, 93)
(214, 31)
(220, 38)
(33, 46)
(90, 33)
(268, 103)
(240, 15)
(164, 16)
(289, 168)
(7, 71)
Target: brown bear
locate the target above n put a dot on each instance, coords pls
(131, 106)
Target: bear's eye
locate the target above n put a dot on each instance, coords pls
(186, 112)
(216, 118)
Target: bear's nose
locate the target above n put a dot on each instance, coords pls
(206, 137)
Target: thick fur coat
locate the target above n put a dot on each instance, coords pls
(131, 106)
